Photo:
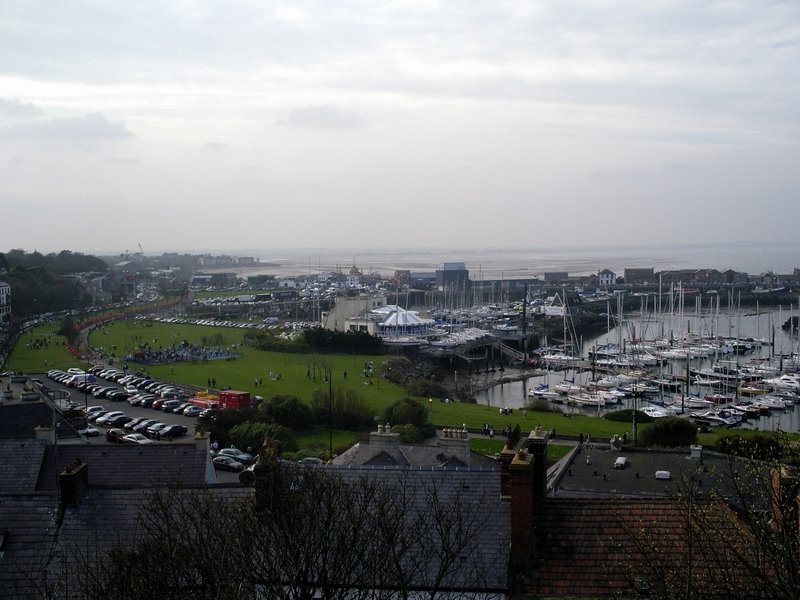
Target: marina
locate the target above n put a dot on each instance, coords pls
(701, 377)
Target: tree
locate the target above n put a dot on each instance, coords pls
(302, 533)
(669, 432)
(740, 533)
(404, 412)
(288, 411)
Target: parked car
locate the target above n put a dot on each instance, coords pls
(119, 421)
(88, 430)
(147, 401)
(116, 435)
(169, 405)
(154, 430)
(227, 463)
(236, 454)
(136, 438)
(117, 396)
(142, 427)
(104, 419)
(93, 416)
(157, 404)
(133, 423)
(171, 431)
(192, 411)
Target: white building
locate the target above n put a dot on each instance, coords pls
(5, 302)
(606, 278)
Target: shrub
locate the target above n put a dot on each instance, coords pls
(350, 410)
(669, 432)
(252, 435)
(541, 405)
(288, 411)
(405, 411)
(759, 446)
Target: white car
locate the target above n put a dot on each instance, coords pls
(136, 438)
(107, 417)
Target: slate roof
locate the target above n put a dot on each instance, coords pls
(484, 560)
(124, 465)
(106, 518)
(29, 522)
(19, 468)
(625, 546)
(401, 455)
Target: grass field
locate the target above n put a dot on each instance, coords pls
(28, 358)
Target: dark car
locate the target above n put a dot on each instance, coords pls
(119, 421)
(238, 455)
(226, 463)
(171, 431)
(131, 424)
(147, 401)
(142, 427)
(116, 435)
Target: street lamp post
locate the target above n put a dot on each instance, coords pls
(329, 377)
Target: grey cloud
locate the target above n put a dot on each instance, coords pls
(17, 108)
(322, 117)
(215, 147)
(93, 127)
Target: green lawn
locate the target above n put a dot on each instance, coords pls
(30, 359)
(490, 447)
(121, 337)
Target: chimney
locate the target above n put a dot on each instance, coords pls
(384, 439)
(71, 483)
(45, 432)
(455, 443)
(506, 456)
(527, 481)
(536, 445)
(786, 501)
(202, 447)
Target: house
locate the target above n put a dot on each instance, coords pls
(5, 302)
(639, 276)
(585, 529)
(606, 278)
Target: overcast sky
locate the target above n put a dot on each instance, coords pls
(186, 125)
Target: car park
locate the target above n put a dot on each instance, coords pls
(136, 438)
(227, 463)
(192, 410)
(157, 403)
(116, 435)
(94, 409)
